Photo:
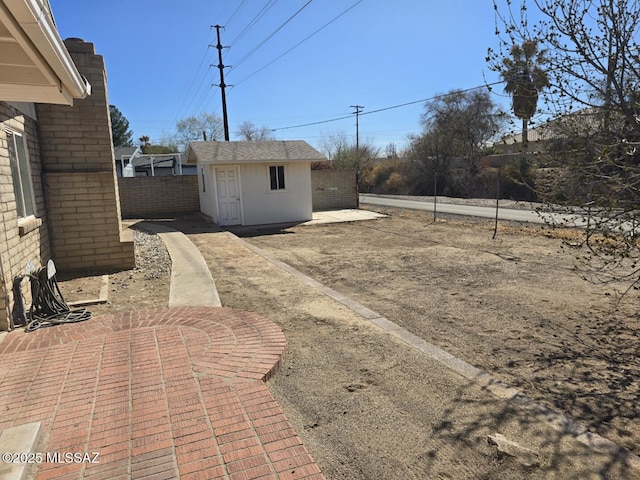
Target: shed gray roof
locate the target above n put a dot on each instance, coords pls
(253, 152)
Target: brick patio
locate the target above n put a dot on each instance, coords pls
(159, 394)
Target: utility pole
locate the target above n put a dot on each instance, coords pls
(222, 85)
(357, 112)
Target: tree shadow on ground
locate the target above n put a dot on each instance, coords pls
(565, 448)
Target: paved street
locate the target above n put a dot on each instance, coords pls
(529, 216)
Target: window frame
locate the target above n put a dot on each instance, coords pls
(21, 168)
(280, 178)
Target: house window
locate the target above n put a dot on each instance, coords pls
(276, 176)
(20, 174)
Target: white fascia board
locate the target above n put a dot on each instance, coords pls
(38, 35)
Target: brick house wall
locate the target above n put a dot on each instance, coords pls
(79, 175)
(153, 197)
(21, 240)
(334, 189)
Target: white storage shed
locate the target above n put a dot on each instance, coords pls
(254, 183)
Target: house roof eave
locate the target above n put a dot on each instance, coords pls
(45, 72)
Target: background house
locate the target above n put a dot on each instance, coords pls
(58, 191)
(150, 165)
(252, 183)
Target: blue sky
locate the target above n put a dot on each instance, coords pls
(378, 54)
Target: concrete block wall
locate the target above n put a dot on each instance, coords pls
(79, 175)
(21, 240)
(154, 197)
(334, 189)
(85, 238)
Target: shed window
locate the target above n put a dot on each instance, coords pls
(276, 176)
(20, 174)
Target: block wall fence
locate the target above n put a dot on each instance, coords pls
(334, 189)
(155, 197)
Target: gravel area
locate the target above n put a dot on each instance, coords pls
(152, 258)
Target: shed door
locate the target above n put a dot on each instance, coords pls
(228, 196)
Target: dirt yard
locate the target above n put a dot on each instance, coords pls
(369, 407)
(513, 306)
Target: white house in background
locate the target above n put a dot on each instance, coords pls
(253, 183)
(130, 161)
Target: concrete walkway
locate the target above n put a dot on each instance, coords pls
(191, 281)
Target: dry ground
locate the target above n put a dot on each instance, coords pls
(369, 407)
(514, 306)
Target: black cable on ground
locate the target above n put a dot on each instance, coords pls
(47, 306)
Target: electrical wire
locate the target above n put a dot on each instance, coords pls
(205, 94)
(234, 12)
(270, 36)
(435, 97)
(204, 76)
(255, 20)
(299, 43)
(193, 81)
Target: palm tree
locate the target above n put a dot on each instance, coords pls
(525, 77)
(144, 143)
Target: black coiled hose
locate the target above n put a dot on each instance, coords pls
(48, 306)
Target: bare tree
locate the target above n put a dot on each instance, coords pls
(593, 65)
(456, 126)
(206, 126)
(343, 153)
(250, 132)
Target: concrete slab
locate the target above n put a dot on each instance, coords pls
(346, 215)
(21, 439)
(103, 296)
(191, 280)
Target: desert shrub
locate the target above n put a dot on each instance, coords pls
(389, 176)
(321, 165)
(395, 184)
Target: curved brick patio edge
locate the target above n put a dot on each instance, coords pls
(158, 393)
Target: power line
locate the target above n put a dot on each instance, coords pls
(435, 97)
(243, 59)
(299, 43)
(200, 98)
(259, 15)
(312, 123)
(234, 12)
(199, 92)
(193, 81)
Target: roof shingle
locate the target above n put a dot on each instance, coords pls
(253, 152)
